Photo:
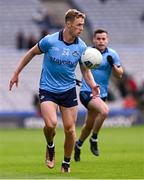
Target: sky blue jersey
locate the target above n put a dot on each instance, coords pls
(59, 63)
(103, 72)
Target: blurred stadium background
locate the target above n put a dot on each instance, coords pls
(23, 23)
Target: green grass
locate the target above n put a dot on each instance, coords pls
(121, 155)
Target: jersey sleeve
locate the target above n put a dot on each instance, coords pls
(116, 58)
(44, 44)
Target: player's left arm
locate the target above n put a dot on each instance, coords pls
(117, 71)
(116, 67)
(90, 80)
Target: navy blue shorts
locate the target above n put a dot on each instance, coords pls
(86, 96)
(65, 99)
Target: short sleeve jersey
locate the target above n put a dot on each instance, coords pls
(102, 73)
(59, 63)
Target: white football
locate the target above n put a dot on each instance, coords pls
(91, 58)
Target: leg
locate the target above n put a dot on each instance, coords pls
(69, 116)
(97, 113)
(85, 132)
(102, 112)
(48, 110)
(88, 125)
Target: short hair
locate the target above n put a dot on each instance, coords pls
(99, 31)
(71, 14)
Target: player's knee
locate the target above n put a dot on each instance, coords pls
(69, 129)
(51, 125)
(105, 112)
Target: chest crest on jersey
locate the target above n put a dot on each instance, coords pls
(75, 54)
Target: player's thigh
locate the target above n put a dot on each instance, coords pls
(97, 105)
(49, 113)
(69, 116)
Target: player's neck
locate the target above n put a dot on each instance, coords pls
(67, 37)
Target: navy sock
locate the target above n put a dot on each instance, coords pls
(66, 160)
(79, 143)
(50, 144)
(94, 135)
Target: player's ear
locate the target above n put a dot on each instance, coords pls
(68, 24)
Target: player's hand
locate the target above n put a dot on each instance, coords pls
(14, 80)
(110, 60)
(96, 91)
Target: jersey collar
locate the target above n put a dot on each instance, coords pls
(61, 39)
(106, 50)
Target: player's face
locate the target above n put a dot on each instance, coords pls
(76, 27)
(101, 41)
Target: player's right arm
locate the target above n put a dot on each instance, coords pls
(23, 62)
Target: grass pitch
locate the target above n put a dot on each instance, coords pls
(22, 155)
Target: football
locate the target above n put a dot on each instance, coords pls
(91, 58)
